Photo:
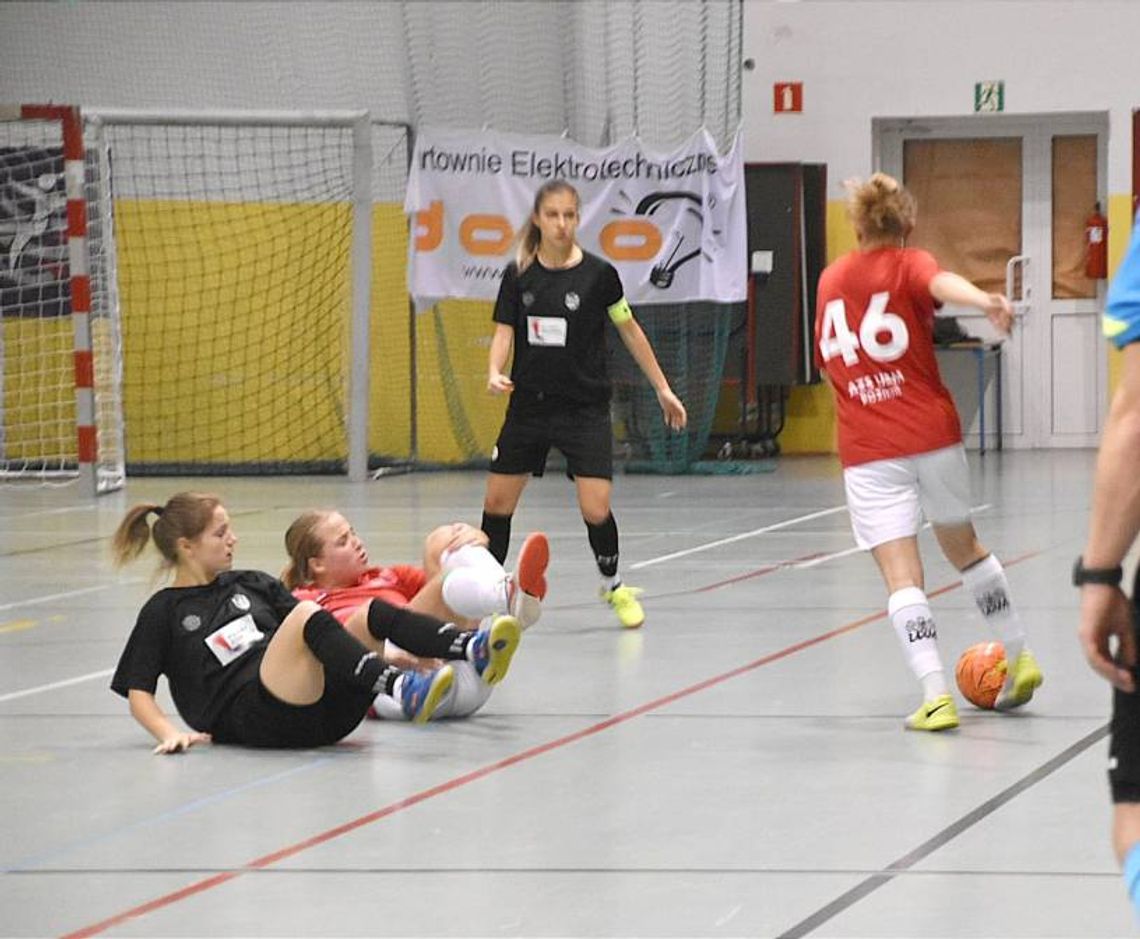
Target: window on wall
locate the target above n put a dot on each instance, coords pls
(969, 204)
(1074, 196)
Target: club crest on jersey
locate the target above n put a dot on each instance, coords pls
(527, 298)
(572, 301)
(191, 622)
(240, 602)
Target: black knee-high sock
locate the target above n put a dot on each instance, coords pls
(344, 657)
(498, 529)
(604, 541)
(417, 633)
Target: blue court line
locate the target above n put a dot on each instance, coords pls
(32, 862)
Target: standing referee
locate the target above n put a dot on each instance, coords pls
(1105, 611)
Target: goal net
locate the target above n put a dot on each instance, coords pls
(60, 351)
(243, 274)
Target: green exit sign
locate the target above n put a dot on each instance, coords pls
(989, 96)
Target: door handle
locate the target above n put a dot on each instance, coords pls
(1020, 304)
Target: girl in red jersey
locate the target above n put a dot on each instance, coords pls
(459, 581)
(900, 441)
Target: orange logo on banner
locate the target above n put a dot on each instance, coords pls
(788, 97)
(431, 221)
(473, 225)
(621, 240)
(646, 246)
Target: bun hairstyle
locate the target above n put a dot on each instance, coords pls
(881, 209)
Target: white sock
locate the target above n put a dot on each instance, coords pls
(473, 592)
(611, 583)
(473, 556)
(987, 581)
(914, 625)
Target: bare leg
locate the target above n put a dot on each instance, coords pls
(289, 669)
(900, 563)
(1125, 827)
(959, 542)
(503, 493)
(441, 538)
(594, 498)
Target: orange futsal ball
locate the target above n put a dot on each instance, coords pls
(981, 673)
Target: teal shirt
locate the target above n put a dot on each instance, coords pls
(1122, 312)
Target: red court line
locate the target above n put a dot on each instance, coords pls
(459, 781)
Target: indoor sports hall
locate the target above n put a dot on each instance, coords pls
(225, 232)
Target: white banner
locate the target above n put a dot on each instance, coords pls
(672, 224)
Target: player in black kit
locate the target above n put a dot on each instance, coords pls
(554, 302)
(247, 663)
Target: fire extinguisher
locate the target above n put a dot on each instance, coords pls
(1096, 245)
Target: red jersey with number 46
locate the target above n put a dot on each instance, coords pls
(874, 337)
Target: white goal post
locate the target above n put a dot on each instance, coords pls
(230, 281)
(60, 349)
(249, 163)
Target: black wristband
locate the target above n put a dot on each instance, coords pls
(1106, 576)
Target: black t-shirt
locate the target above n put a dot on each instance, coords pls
(559, 318)
(208, 641)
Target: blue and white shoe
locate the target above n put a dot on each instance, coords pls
(492, 649)
(420, 694)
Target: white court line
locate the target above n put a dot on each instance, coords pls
(804, 565)
(741, 537)
(48, 598)
(13, 695)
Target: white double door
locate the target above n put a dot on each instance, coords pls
(1054, 386)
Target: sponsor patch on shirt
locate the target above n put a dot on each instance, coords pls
(230, 641)
(546, 331)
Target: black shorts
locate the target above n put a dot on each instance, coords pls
(255, 718)
(1124, 742)
(534, 424)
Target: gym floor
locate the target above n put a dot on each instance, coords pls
(737, 767)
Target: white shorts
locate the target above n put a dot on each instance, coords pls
(887, 499)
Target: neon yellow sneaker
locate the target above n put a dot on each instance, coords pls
(623, 601)
(492, 649)
(1017, 690)
(937, 714)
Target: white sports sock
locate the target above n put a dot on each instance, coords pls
(987, 581)
(611, 583)
(473, 556)
(474, 592)
(914, 625)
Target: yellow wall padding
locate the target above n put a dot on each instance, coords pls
(234, 330)
(39, 390)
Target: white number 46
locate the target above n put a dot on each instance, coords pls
(836, 337)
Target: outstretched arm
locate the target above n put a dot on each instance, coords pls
(501, 341)
(948, 287)
(1115, 523)
(146, 711)
(635, 340)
